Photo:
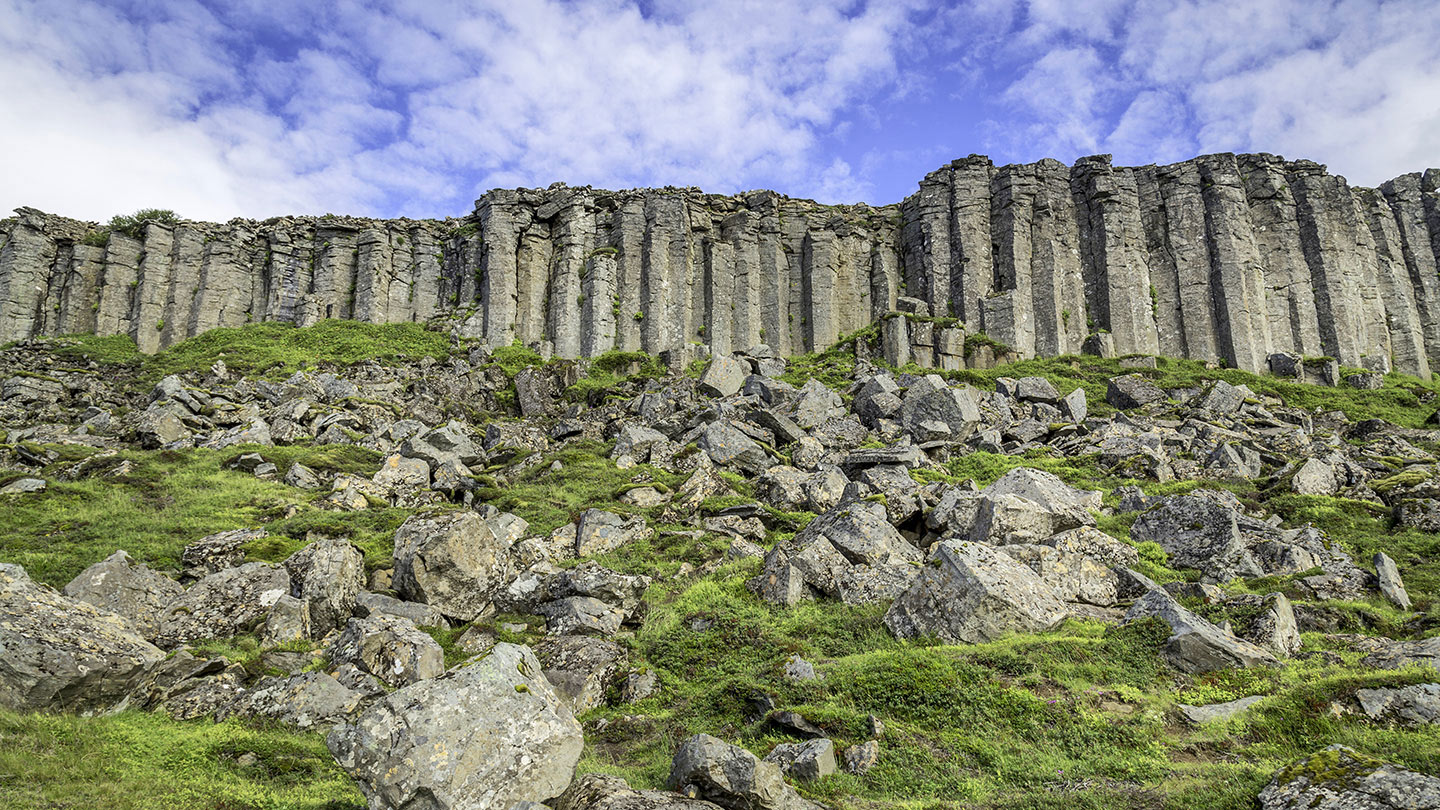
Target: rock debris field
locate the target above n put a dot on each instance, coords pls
(468, 578)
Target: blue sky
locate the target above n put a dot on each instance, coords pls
(259, 108)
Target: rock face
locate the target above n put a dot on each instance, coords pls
(488, 734)
(1340, 778)
(62, 654)
(1233, 258)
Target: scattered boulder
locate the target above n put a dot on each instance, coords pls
(599, 531)
(723, 377)
(1132, 391)
(486, 735)
(1341, 778)
(859, 759)
(1401, 654)
(1416, 705)
(454, 562)
(730, 776)
(1195, 645)
(304, 701)
(595, 791)
(582, 669)
(328, 575)
(216, 552)
(389, 647)
(1387, 575)
(804, 761)
(121, 585)
(223, 604)
(972, 593)
(1210, 713)
(62, 654)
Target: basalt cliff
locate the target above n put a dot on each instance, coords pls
(1226, 258)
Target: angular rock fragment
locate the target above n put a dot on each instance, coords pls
(487, 735)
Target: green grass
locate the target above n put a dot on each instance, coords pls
(170, 499)
(134, 761)
(587, 478)
(270, 349)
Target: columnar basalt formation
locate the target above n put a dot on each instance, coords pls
(1224, 258)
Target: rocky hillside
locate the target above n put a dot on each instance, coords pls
(382, 566)
(1226, 257)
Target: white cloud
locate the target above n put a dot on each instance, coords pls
(409, 107)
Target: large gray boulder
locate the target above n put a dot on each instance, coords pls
(223, 604)
(304, 701)
(972, 593)
(61, 654)
(730, 776)
(728, 446)
(454, 562)
(804, 761)
(595, 791)
(1132, 391)
(723, 376)
(1401, 654)
(1415, 705)
(1387, 574)
(1341, 778)
(1070, 506)
(390, 648)
(1200, 530)
(121, 585)
(599, 531)
(488, 734)
(851, 552)
(582, 668)
(328, 575)
(1195, 645)
(216, 552)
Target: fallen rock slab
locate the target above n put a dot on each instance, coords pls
(1341, 778)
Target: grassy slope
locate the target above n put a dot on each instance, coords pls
(1073, 718)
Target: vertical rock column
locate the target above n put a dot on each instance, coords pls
(1405, 330)
(152, 289)
(573, 232)
(1420, 251)
(1235, 274)
(926, 240)
(971, 264)
(1180, 237)
(1112, 239)
(26, 261)
(740, 231)
(1008, 316)
(1289, 298)
(500, 239)
(79, 299)
(1328, 236)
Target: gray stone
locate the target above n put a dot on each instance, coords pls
(581, 615)
(1200, 715)
(1315, 477)
(1132, 391)
(121, 585)
(600, 531)
(419, 613)
(216, 552)
(859, 759)
(804, 761)
(1401, 654)
(1196, 645)
(729, 776)
(454, 562)
(583, 669)
(728, 446)
(972, 593)
(328, 575)
(1388, 576)
(486, 735)
(1416, 705)
(723, 376)
(1036, 389)
(594, 791)
(304, 701)
(223, 604)
(62, 654)
(23, 486)
(389, 647)
(1340, 778)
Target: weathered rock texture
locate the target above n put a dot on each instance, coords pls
(1223, 258)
